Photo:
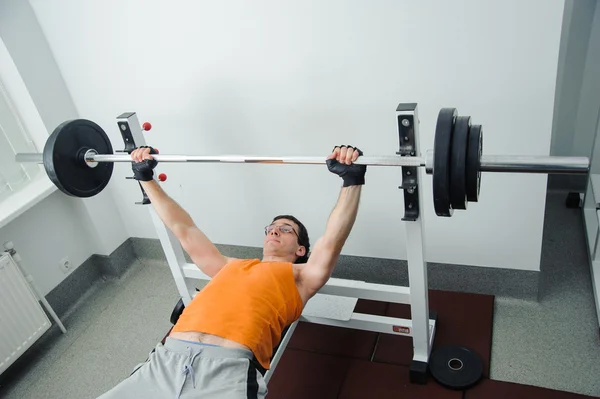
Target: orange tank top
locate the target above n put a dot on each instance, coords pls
(247, 301)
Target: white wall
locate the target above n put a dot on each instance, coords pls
(589, 104)
(578, 85)
(293, 78)
(59, 225)
(45, 234)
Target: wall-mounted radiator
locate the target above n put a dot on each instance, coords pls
(22, 319)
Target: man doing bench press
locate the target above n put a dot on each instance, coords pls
(238, 317)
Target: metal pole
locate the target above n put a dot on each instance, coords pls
(364, 160)
(30, 157)
(415, 255)
(489, 163)
(535, 164)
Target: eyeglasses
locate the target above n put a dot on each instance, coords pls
(284, 228)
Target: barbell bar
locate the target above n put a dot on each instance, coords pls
(489, 163)
(78, 158)
(92, 157)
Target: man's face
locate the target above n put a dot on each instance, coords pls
(281, 239)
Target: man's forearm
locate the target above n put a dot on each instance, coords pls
(342, 217)
(169, 211)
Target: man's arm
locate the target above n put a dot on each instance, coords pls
(202, 251)
(327, 249)
(326, 252)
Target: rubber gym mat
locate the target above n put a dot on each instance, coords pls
(463, 319)
(302, 375)
(489, 389)
(378, 380)
(339, 341)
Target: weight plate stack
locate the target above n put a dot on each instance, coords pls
(64, 158)
(458, 163)
(442, 149)
(474, 151)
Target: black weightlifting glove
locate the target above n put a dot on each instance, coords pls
(352, 175)
(143, 171)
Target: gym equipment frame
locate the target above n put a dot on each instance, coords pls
(421, 328)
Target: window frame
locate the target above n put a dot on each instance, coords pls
(28, 116)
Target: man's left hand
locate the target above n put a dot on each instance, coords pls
(340, 162)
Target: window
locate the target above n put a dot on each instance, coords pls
(21, 130)
(13, 139)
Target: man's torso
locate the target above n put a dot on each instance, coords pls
(210, 339)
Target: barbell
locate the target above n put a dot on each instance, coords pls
(78, 158)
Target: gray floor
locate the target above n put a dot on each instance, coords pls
(552, 343)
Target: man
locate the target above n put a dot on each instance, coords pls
(237, 319)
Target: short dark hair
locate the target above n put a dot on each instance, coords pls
(302, 236)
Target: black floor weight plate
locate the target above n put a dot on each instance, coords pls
(64, 163)
(456, 367)
(442, 148)
(474, 152)
(458, 163)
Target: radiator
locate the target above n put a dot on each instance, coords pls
(22, 319)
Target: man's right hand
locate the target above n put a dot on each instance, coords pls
(143, 163)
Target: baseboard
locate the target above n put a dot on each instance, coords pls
(520, 284)
(117, 263)
(146, 248)
(65, 296)
(81, 281)
(567, 183)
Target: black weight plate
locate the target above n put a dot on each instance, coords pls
(63, 158)
(177, 311)
(456, 367)
(474, 151)
(442, 147)
(458, 163)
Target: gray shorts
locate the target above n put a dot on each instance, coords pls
(182, 369)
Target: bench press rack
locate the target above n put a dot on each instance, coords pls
(421, 328)
(78, 158)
